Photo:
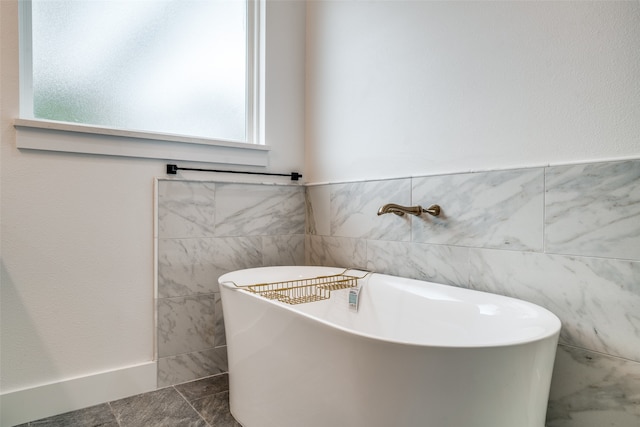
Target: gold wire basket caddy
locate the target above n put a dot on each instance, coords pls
(304, 290)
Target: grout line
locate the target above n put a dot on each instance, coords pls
(114, 414)
(600, 353)
(544, 211)
(192, 407)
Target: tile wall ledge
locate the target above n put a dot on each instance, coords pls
(222, 179)
(460, 172)
(197, 176)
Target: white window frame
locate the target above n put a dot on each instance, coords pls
(49, 135)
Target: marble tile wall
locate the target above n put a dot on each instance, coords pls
(564, 237)
(206, 229)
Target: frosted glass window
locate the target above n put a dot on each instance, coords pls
(177, 67)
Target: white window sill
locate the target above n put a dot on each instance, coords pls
(74, 138)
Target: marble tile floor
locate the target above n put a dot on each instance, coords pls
(200, 403)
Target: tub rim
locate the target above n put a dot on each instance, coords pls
(550, 332)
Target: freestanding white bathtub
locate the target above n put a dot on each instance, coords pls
(415, 354)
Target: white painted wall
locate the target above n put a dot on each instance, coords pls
(402, 88)
(77, 285)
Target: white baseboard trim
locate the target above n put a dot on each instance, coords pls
(57, 398)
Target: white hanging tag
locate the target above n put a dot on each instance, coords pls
(354, 298)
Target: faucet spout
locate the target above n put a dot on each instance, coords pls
(399, 210)
(413, 210)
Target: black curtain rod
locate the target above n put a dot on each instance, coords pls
(173, 169)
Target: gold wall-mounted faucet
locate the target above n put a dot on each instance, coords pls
(413, 210)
